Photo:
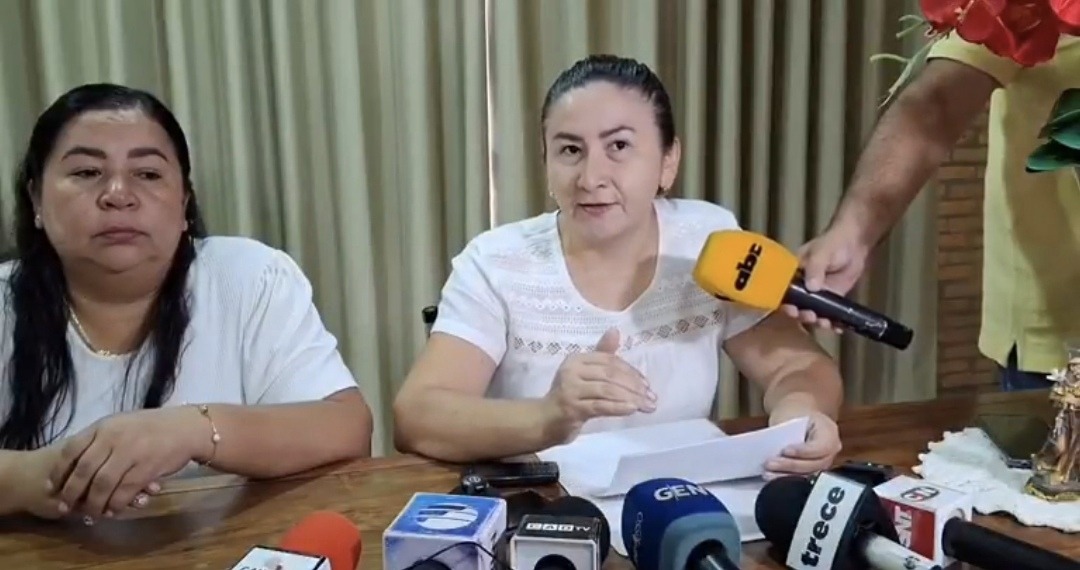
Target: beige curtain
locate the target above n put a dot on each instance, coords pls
(352, 134)
(773, 100)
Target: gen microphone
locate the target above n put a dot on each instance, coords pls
(322, 540)
(673, 524)
(753, 270)
(833, 523)
(934, 521)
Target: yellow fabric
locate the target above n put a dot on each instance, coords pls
(1031, 222)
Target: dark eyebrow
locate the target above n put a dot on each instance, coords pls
(146, 151)
(84, 150)
(603, 134)
(98, 153)
(620, 128)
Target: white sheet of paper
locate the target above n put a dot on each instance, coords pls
(603, 466)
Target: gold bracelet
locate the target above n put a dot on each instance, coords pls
(215, 437)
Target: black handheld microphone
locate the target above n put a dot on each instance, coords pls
(753, 270)
(831, 524)
(839, 309)
(984, 548)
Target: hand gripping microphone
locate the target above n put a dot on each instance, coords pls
(831, 524)
(570, 533)
(672, 524)
(753, 270)
(933, 521)
(320, 541)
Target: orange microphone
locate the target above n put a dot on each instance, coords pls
(322, 540)
(753, 270)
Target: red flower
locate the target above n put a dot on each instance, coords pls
(1025, 31)
(1030, 32)
(973, 20)
(1068, 15)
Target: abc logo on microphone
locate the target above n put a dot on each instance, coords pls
(919, 494)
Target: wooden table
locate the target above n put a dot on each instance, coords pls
(210, 523)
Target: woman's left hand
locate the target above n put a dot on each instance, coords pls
(102, 469)
(813, 455)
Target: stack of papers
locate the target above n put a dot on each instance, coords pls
(602, 467)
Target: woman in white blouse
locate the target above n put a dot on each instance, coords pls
(588, 318)
(131, 345)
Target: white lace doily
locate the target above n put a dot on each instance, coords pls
(968, 461)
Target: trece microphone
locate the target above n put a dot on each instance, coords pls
(672, 524)
(934, 521)
(753, 270)
(320, 541)
(833, 523)
(570, 533)
(439, 531)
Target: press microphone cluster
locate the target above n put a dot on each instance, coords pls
(673, 524)
(320, 541)
(935, 521)
(569, 533)
(832, 523)
(753, 270)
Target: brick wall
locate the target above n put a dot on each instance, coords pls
(960, 367)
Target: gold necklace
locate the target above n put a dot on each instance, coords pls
(86, 338)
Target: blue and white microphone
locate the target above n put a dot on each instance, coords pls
(672, 524)
(444, 532)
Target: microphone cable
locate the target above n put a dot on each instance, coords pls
(430, 563)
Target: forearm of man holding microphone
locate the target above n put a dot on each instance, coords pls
(911, 140)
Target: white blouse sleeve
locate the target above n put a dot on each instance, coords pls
(469, 308)
(289, 356)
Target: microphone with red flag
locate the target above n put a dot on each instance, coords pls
(935, 521)
(322, 540)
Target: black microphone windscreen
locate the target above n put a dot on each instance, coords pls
(778, 508)
(985, 548)
(579, 507)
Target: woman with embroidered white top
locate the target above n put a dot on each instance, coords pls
(132, 346)
(587, 318)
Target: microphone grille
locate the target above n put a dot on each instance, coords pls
(778, 508)
(325, 533)
(579, 507)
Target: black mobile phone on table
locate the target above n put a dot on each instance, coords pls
(1018, 437)
(516, 473)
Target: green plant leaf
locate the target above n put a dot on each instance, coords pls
(1067, 134)
(1066, 110)
(1052, 156)
(912, 66)
(1068, 103)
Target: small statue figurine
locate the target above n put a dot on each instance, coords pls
(1056, 468)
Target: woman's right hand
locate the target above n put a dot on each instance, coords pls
(596, 384)
(32, 490)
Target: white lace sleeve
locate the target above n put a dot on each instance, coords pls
(469, 308)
